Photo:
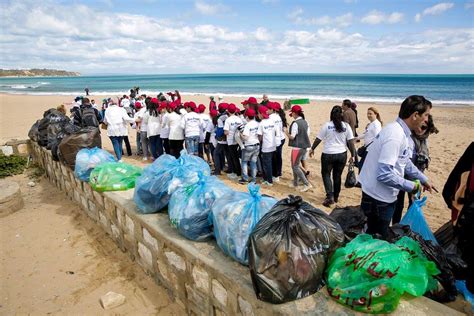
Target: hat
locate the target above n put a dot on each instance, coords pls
(263, 111)
(213, 113)
(223, 106)
(201, 108)
(154, 101)
(250, 113)
(162, 106)
(296, 109)
(191, 105)
(252, 100)
(232, 108)
(245, 102)
(138, 105)
(172, 106)
(276, 106)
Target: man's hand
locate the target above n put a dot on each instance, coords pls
(351, 160)
(428, 187)
(311, 153)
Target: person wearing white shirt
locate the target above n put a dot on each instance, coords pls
(165, 129)
(211, 141)
(230, 127)
(116, 119)
(206, 119)
(142, 126)
(371, 131)
(387, 162)
(153, 121)
(191, 123)
(278, 116)
(336, 135)
(251, 149)
(176, 136)
(268, 135)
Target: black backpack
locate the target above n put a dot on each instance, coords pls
(89, 117)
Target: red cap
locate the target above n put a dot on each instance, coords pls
(296, 109)
(276, 106)
(213, 113)
(223, 106)
(263, 110)
(232, 108)
(201, 108)
(252, 100)
(250, 113)
(138, 105)
(191, 105)
(155, 101)
(245, 102)
(172, 105)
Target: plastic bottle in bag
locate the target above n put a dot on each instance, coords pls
(87, 159)
(114, 176)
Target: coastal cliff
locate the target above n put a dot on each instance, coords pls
(37, 73)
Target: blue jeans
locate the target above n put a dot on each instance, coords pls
(156, 146)
(219, 158)
(192, 145)
(117, 144)
(267, 166)
(250, 156)
(379, 215)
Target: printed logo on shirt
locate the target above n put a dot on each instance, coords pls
(334, 127)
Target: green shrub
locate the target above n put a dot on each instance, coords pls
(10, 165)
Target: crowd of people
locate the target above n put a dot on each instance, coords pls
(246, 143)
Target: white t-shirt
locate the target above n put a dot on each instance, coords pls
(117, 119)
(373, 129)
(391, 147)
(174, 123)
(165, 128)
(192, 124)
(251, 133)
(211, 128)
(269, 132)
(205, 118)
(125, 103)
(153, 124)
(220, 124)
(335, 142)
(279, 126)
(139, 115)
(231, 125)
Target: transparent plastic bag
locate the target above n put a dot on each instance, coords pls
(190, 206)
(289, 249)
(163, 177)
(87, 159)
(234, 217)
(370, 275)
(114, 176)
(416, 220)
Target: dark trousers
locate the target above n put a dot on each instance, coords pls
(234, 162)
(127, 145)
(156, 146)
(397, 214)
(166, 145)
(219, 158)
(267, 166)
(378, 215)
(277, 160)
(332, 163)
(175, 147)
(117, 144)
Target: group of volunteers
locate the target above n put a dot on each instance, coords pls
(247, 143)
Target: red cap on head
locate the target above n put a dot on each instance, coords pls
(296, 109)
(232, 108)
(250, 113)
(201, 108)
(138, 105)
(263, 111)
(252, 100)
(155, 101)
(191, 105)
(245, 102)
(172, 106)
(223, 106)
(276, 106)
(213, 113)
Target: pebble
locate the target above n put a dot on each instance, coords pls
(31, 184)
(111, 300)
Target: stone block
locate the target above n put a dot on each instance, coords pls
(103, 220)
(176, 260)
(77, 196)
(245, 307)
(219, 292)
(150, 240)
(93, 211)
(87, 190)
(163, 271)
(10, 197)
(146, 258)
(84, 203)
(120, 217)
(115, 231)
(98, 198)
(201, 279)
(7, 150)
(22, 149)
(111, 300)
(199, 302)
(130, 225)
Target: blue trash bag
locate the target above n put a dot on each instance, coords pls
(166, 174)
(416, 220)
(468, 296)
(87, 159)
(234, 217)
(190, 206)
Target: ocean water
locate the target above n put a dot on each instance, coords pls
(440, 89)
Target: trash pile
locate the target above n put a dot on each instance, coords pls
(87, 159)
(114, 176)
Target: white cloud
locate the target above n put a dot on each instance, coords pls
(296, 16)
(295, 13)
(377, 17)
(469, 5)
(434, 10)
(209, 9)
(262, 34)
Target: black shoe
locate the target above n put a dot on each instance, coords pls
(242, 181)
(328, 202)
(215, 173)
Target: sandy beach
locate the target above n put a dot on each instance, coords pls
(19, 112)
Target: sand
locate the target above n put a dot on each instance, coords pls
(56, 260)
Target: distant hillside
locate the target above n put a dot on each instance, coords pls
(37, 73)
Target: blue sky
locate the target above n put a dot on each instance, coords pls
(204, 36)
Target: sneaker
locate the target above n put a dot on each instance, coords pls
(276, 179)
(293, 185)
(266, 183)
(120, 160)
(144, 158)
(232, 176)
(214, 173)
(243, 181)
(306, 188)
(328, 202)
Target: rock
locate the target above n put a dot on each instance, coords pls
(10, 197)
(31, 184)
(111, 300)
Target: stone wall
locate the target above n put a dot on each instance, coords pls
(197, 274)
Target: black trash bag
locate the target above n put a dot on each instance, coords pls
(33, 133)
(67, 129)
(351, 179)
(43, 128)
(447, 239)
(57, 121)
(464, 231)
(289, 250)
(351, 219)
(434, 253)
(87, 137)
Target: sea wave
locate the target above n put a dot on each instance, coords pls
(335, 98)
(23, 86)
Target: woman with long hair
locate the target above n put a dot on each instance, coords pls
(371, 131)
(152, 119)
(337, 136)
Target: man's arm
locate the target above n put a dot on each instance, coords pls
(387, 176)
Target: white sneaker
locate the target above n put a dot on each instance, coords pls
(120, 160)
(306, 188)
(232, 176)
(266, 183)
(144, 158)
(276, 179)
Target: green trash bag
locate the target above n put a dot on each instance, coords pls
(370, 275)
(114, 176)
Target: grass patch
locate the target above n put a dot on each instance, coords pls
(11, 165)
